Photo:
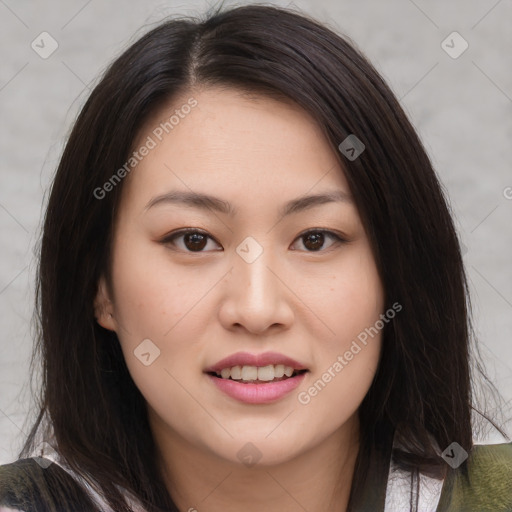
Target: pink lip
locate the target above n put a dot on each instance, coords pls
(246, 359)
(257, 393)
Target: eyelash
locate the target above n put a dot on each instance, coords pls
(169, 239)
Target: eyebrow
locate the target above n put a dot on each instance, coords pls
(209, 202)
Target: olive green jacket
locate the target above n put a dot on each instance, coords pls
(483, 484)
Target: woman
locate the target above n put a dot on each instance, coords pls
(251, 293)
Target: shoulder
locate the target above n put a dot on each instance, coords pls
(32, 485)
(482, 483)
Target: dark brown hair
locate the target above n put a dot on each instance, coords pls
(421, 391)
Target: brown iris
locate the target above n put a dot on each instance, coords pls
(198, 241)
(314, 240)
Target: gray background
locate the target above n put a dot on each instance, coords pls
(461, 108)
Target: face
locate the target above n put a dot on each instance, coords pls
(269, 275)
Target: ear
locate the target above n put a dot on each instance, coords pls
(104, 307)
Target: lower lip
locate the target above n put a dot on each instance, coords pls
(257, 393)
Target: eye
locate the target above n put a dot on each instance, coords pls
(195, 240)
(314, 239)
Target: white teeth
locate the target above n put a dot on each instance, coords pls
(266, 372)
(288, 371)
(249, 373)
(263, 373)
(278, 370)
(236, 372)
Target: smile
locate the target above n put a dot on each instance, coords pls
(271, 385)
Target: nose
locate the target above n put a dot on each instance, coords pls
(257, 294)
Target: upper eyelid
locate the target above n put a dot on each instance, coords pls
(185, 231)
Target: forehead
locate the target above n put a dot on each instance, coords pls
(232, 143)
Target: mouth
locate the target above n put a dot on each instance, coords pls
(257, 385)
(256, 378)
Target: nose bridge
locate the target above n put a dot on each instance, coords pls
(256, 297)
(253, 260)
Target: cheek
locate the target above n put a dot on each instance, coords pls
(355, 300)
(155, 302)
(156, 328)
(348, 360)
(151, 297)
(335, 393)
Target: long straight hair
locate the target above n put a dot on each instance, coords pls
(421, 392)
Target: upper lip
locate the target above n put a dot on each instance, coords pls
(246, 359)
